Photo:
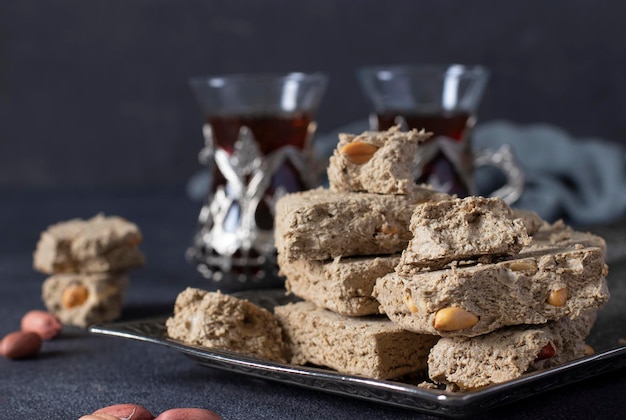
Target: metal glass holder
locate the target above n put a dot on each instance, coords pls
(229, 247)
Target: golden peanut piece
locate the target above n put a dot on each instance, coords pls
(408, 300)
(358, 152)
(557, 297)
(387, 229)
(522, 266)
(125, 411)
(43, 323)
(20, 345)
(74, 295)
(188, 413)
(605, 270)
(454, 319)
(588, 350)
(546, 352)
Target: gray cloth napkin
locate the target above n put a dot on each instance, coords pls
(582, 181)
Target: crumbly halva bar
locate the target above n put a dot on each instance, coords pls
(531, 220)
(320, 224)
(379, 162)
(99, 244)
(558, 235)
(342, 285)
(506, 354)
(367, 346)
(477, 299)
(461, 229)
(221, 321)
(547, 235)
(81, 299)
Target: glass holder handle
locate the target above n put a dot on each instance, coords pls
(504, 160)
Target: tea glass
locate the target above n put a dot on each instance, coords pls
(444, 100)
(257, 147)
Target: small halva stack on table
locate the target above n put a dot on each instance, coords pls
(87, 262)
(399, 280)
(485, 293)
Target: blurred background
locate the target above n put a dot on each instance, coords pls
(95, 93)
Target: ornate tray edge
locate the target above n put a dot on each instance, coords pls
(387, 392)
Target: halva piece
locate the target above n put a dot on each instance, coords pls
(370, 346)
(559, 235)
(320, 224)
(506, 354)
(221, 321)
(379, 162)
(461, 229)
(342, 285)
(97, 245)
(82, 299)
(477, 299)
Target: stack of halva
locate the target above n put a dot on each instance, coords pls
(88, 263)
(397, 279)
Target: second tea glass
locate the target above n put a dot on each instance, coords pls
(444, 100)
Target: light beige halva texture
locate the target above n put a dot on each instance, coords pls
(390, 169)
(506, 354)
(216, 320)
(461, 229)
(509, 292)
(531, 220)
(367, 346)
(501, 267)
(105, 297)
(342, 285)
(97, 245)
(320, 224)
(558, 235)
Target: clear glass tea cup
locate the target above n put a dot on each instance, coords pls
(444, 100)
(258, 135)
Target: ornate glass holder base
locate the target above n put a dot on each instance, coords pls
(234, 242)
(252, 272)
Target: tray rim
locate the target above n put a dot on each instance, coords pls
(399, 394)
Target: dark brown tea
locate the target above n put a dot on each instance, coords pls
(441, 172)
(452, 124)
(270, 131)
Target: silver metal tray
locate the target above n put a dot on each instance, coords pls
(609, 356)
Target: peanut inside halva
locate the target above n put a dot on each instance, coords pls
(74, 295)
(408, 300)
(358, 152)
(523, 266)
(454, 319)
(558, 297)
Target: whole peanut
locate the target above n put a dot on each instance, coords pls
(20, 345)
(125, 411)
(188, 414)
(43, 323)
(99, 417)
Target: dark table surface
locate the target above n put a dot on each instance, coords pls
(78, 372)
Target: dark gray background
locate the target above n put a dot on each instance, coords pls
(94, 93)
